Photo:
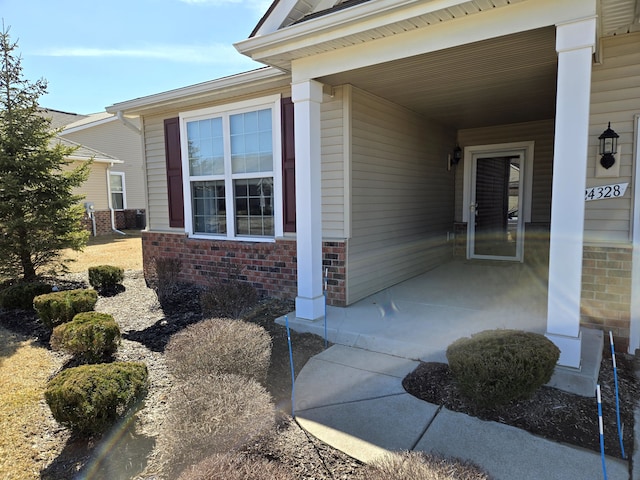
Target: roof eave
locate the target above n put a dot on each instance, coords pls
(262, 76)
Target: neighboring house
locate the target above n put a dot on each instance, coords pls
(115, 186)
(118, 138)
(95, 189)
(387, 94)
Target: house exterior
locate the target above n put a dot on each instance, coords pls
(119, 201)
(385, 137)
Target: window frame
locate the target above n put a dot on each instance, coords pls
(225, 112)
(124, 191)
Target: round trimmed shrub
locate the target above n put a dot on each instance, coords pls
(90, 336)
(219, 346)
(60, 307)
(495, 367)
(105, 277)
(21, 295)
(90, 398)
(236, 467)
(213, 414)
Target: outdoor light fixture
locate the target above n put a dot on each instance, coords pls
(456, 156)
(608, 147)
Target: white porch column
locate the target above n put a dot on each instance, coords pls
(307, 97)
(575, 43)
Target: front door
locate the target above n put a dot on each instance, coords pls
(495, 224)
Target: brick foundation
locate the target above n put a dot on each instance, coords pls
(124, 220)
(270, 267)
(606, 292)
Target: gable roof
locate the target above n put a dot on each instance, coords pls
(59, 118)
(84, 153)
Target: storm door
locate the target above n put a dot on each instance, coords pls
(495, 219)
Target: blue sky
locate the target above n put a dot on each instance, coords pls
(96, 53)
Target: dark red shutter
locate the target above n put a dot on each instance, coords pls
(174, 172)
(288, 166)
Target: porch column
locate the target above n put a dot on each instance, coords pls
(575, 43)
(307, 96)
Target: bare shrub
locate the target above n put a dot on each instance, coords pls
(419, 465)
(231, 299)
(236, 467)
(216, 414)
(220, 346)
(166, 273)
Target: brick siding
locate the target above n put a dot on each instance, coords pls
(270, 267)
(124, 220)
(606, 292)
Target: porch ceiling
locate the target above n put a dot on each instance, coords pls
(504, 80)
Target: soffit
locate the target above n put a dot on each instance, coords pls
(618, 17)
(508, 79)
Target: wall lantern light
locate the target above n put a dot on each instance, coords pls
(456, 156)
(608, 147)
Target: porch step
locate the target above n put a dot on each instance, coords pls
(583, 380)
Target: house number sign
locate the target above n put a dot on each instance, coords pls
(603, 192)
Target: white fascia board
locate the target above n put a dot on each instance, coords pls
(353, 20)
(519, 17)
(95, 159)
(276, 17)
(84, 126)
(234, 82)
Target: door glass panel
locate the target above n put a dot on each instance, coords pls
(497, 206)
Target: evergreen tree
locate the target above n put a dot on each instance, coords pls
(39, 213)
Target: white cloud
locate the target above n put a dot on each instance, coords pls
(197, 54)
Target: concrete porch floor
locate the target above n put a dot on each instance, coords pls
(418, 318)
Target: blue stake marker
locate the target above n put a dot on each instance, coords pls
(601, 429)
(293, 375)
(615, 379)
(326, 281)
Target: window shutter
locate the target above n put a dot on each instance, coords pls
(288, 166)
(174, 172)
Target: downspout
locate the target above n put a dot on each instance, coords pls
(113, 214)
(127, 123)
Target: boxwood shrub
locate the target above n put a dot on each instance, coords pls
(105, 277)
(21, 295)
(90, 336)
(60, 307)
(496, 367)
(90, 398)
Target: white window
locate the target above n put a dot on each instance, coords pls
(116, 185)
(230, 164)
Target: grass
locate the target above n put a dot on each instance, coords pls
(117, 250)
(22, 415)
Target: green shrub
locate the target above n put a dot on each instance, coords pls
(105, 277)
(21, 294)
(219, 346)
(419, 465)
(495, 367)
(215, 414)
(60, 307)
(90, 336)
(236, 467)
(90, 398)
(229, 300)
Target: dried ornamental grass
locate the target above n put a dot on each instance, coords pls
(216, 414)
(236, 467)
(422, 466)
(220, 346)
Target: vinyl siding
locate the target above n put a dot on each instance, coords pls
(117, 140)
(615, 98)
(402, 195)
(335, 206)
(95, 188)
(542, 133)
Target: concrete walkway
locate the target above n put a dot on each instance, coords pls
(353, 399)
